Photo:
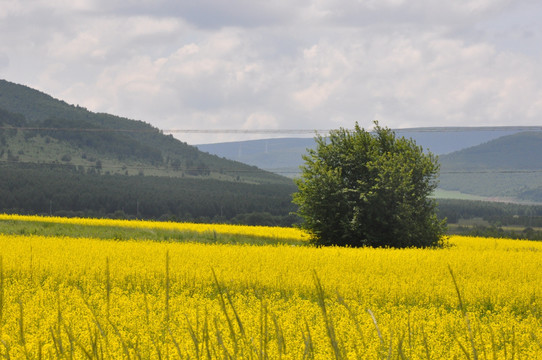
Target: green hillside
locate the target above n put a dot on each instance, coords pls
(507, 167)
(513, 152)
(122, 146)
(64, 159)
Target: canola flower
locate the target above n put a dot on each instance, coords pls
(257, 231)
(64, 297)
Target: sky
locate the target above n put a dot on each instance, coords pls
(250, 65)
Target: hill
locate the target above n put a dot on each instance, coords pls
(284, 156)
(507, 167)
(491, 163)
(49, 130)
(60, 158)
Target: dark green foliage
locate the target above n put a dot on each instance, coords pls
(265, 218)
(84, 134)
(505, 167)
(505, 213)
(8, 121)
(369, 189)
(527, 233)
(518, 151)
(534, 194)
(65, 191)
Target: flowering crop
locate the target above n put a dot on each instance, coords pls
(259, 231)
(89, 298)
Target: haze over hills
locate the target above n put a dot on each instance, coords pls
(284, 156)
(491, 163)
(509, 166)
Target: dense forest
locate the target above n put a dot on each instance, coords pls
(495, 219)
(509, 166)
(71, 191)
(66, 191)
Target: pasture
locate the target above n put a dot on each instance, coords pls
(71, 288)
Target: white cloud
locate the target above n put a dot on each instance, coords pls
(296, 64)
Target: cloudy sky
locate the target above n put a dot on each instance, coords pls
(282, 64)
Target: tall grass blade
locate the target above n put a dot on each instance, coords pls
(308, 353)
(166, 304)
(1, 294)
(59, 322)
(8, 348)
(425, 345)
(462, 347)
(121, 338)
(330, 328)
(206, 336)
(225, 311)
(22, 339)
(107, 287)
(281, 342)
(465, 316)
(378, 332)
(264, 339)
(56, 343)
(193, 336)
(221, 341)
(101, 330)
(354, 318)
(176, 344)
(74, 340)
(157, 348)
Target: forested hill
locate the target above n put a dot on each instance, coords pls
(509, 166)
(61, 159)
(519, 151)
(284, 155)
(52, 131)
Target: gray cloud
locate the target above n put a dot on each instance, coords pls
(209, 14)
(4, 60)
(299, 64)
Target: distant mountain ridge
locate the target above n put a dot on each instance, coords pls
(509, 166)
(494, 163)
(520, 151)
(284, 155)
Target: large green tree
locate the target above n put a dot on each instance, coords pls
(361, 188)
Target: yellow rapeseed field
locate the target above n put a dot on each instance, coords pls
(86, 298)
(262, 231)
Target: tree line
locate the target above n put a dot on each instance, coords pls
(64, 191)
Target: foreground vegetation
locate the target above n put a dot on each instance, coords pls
(81, 297)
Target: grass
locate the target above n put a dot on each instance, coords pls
(16, 227)
(457, 195)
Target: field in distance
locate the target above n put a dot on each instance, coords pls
(67, 292)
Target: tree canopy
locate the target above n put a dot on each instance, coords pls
(360, 188)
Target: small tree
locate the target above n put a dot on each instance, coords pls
(369, 189)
